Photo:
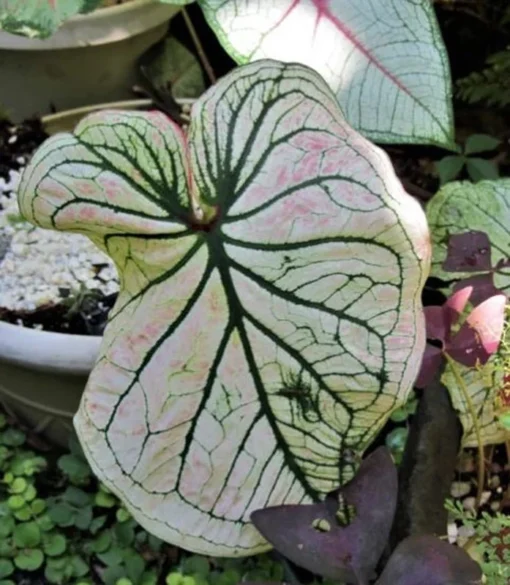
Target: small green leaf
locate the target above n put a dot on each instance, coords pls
(102, 542)
(396, 442)
(80, 567)
(399, 415)
(54, 544)
(62, 514)
(16, 502)
(124, 533)
(122, 515)
(75, 468)
(18, 486)
(8, 478)
(135, 566)
(6, 568)
(6, 526)
(12, 437)
(112, 574)
(97, 524)
(27, 464)
(38, 506)
(124, 581)
(45, 523)
(104, 500)
(29, 559)
(113, 556)
(27, 535)
(83, 518)
(480, 143)
(77, 497)
(30, 493)
(196, 565)
(155, 543)
(174, 578)
(23, 514)
(449, 168)
(479, 169)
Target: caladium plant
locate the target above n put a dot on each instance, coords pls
(269, 318)
(40, 18)
(344, 537)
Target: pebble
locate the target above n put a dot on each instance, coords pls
(452, 531)
(469, 504)
(460, 489)
(35, 263)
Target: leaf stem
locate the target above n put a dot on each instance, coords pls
(198, 46)
(476, 426)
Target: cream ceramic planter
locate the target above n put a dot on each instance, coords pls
(42, 377)
(91, 59)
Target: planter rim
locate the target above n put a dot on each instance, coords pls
(99, 27)
(53, 123)
(47, 351)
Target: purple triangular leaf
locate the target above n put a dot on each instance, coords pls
(427, 560)
(482, 285)
(312, 537)
(468, 252)
(435, 323)
(432, 358)
(480, 334)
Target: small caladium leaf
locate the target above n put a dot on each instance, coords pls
(384, 60)
(40, 18)
(427, 560)
(269, 316)
(317, 538)
(463, 208)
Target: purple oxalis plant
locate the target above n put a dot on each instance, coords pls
(473, 341)
(343, 537)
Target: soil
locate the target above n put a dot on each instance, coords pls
(17, 143)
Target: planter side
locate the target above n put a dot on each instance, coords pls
(91, 59)
(42, 377)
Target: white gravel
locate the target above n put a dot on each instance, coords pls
(39, 265)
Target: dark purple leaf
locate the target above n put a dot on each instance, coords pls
(426, 560)
(480, 334)
(312, 536)
(431, 362)
(435, 323)
(482, 285)
(468, 252)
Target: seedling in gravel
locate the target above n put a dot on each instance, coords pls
(343, 537)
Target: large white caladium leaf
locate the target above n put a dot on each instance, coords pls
(269, 318)
(463, 208)
(385, 60)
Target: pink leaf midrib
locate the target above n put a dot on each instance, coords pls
(324, 11)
